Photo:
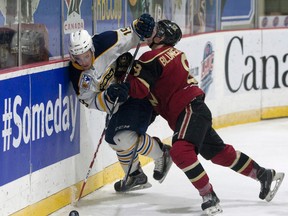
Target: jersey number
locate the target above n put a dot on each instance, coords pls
(126, 31)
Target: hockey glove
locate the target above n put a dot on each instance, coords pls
(144, 25)
(122, 64)
(118, 90)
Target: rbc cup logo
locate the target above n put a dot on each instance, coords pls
(265, 22)
(286, 21)
(74, 21)
(207, 67)
(275, 21)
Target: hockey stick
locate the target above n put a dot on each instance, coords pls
(123, 186)
(107, 122)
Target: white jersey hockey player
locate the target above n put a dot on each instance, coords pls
(91, 70)
(93, 63)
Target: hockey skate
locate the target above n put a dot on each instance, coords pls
(162, 164)
(267, 177)
(136, 181)
(211, 204)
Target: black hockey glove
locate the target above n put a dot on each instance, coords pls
(118, 90)
(144, 25)
(122, 64)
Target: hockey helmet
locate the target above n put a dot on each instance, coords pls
(80, 42)
(170, 30)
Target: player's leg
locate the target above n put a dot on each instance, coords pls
(191, 129)
(126, 129)
(140, 115)
(136, 178)
(225, 155)
(147, 146)
(163, 163)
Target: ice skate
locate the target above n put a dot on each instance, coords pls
(136, 181)
(211, 204)
(267, 177)
(162, 164)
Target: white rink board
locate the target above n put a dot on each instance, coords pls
(245, 67)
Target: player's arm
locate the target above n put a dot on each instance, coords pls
(104, 100)
(101, 93)
(143, 77)
(119, 41)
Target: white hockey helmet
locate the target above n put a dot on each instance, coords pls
(80, 42)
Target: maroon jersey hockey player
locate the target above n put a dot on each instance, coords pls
(162, 75)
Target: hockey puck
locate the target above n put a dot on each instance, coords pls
(74, 213)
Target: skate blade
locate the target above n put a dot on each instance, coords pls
(138, 187)
(214, 210)
(278, 178)
(167, 170)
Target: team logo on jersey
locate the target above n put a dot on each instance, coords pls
(85, 81)
(207, 67)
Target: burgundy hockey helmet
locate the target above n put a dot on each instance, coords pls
(170, 30)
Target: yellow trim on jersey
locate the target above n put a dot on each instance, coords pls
(100, 99)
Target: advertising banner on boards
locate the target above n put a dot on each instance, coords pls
(40, 122)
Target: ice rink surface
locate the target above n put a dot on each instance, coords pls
(266, 142)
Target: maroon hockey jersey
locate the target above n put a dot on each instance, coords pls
(162, 75)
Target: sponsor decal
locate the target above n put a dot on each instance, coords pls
(248, 78)
(74, 21)
(207, 67)
(39, 123)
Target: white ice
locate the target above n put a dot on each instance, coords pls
(266, 142)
